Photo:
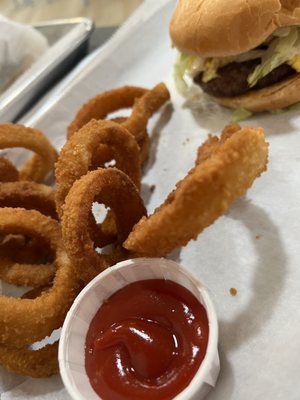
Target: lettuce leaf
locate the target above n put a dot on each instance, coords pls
(281, 49)
(181, 66)
(210, 66)
(240, 114)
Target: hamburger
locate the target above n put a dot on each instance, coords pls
(244, 54)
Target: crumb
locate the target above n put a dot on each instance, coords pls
(152, 188)
(233, 291)
(257, 237)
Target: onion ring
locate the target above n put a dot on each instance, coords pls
(8, 172)
(144, 145)
(36, 292)
(33, 293)
(25, 321)
(105, 153)
(103, 104)
(144, 102)
(36, 168)
(143, 142)
(144, 108)
(211, 144)
(116, 190)
(19, 257)
(203, 195)
(29, 195)
(35, 363)
(24, 250)
(34, 275)
(106, 232)
(75, 158)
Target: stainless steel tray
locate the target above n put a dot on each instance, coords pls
(68, 40)
(254, 247)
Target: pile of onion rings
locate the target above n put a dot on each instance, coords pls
(28, 320)
(51, 241)
(36, 168)
(31, 254)
(32, 250)
(97, 141)
(25, 260)
(224, 169)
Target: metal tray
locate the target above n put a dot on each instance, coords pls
(254, 247)
(68, 40)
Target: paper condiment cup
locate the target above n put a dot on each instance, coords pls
(72, 343)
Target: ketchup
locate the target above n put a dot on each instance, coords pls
(146, 341)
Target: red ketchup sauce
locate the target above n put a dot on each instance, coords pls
(146, 341)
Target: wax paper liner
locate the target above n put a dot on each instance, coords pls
(253, 248)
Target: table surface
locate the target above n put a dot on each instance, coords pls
(102, 12)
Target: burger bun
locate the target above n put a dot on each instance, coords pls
(218, 28)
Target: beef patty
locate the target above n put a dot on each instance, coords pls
(232, 79)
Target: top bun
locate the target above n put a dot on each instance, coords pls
(217, 28)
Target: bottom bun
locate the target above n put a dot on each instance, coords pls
(280, 95)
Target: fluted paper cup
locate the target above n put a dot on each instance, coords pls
(76, 325)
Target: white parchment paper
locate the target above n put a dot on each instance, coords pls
(253, 248)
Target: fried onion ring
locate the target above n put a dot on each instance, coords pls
(36, 168)
(206, 150)
(75, 158)
(103, 104)
(21, 274)
(26, 321)
(107, 232)
(144, 102)
(8, 172)
(222, 175)
(35, 292)
(29, 195)
(115, 190)
(105, 153)
(144, 145)
(144, 108)
(35, 363)
(24, 262)
(25, 361)
(39, 363)
(104, 233)
(24, 250)
(143, 142)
